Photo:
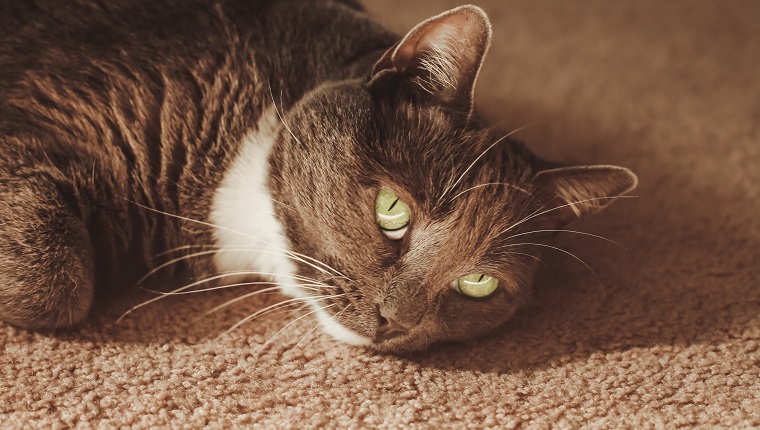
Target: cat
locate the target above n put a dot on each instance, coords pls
(295, 141)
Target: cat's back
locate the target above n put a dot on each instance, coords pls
(40, 32)
(97, 23)
(48, 37)
(85, 75)
(53, 46)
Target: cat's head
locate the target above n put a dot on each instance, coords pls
(426, 225)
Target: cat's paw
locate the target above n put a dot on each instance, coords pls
(46, 267)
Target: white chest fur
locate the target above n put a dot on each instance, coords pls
(248, 234)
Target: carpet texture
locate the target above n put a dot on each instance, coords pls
(666, 337)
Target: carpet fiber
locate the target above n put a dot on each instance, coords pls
(667, 336)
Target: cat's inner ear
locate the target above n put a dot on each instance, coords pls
(440, 58)
(581, 191)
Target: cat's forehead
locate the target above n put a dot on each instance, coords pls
(449, 168)
(423, 148)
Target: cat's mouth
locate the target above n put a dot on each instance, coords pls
(410, 341)
(331, 326)
(359, 323)
(388, 336)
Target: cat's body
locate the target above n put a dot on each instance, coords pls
(118, 109)
(264, 130)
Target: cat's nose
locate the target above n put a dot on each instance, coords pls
(387, 328)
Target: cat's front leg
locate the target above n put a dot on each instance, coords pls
(46, 265)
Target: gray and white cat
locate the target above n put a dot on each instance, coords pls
(293, 140)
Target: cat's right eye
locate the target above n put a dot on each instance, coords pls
(476, 285)
(392, 214)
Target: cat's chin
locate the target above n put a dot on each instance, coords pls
(399, 345)
(402, 345)
(343, 334)
(329, 324)
(340, 332)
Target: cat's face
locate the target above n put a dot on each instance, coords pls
(426, 225)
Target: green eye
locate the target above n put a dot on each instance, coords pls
(392, 214)
(477, 285)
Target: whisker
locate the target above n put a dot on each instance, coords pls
(273, 274)
(304, 337)
(285, 310)
(534, 215)
(285, 205)
(567, 231)
(491, 183)
(193, 284)
(271, 339)
(561, 250)
(525, 255)
(222, 287)
(203, 253)
(317, 325)
(334, 270)
(517, 130)
(203, 290)
(279, 115)
(301, 257)
(275, 306)
(521, 220)
(182, 248)
(174, 261)
(246, 296)
(235, 300)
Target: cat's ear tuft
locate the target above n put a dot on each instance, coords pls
(439, 59)
(585, 189)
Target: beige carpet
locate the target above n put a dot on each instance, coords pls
(668, 336)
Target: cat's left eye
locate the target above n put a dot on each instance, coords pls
(392, 214)
(476, 285)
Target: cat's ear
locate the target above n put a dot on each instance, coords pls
(439, 60)
(584, 190)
